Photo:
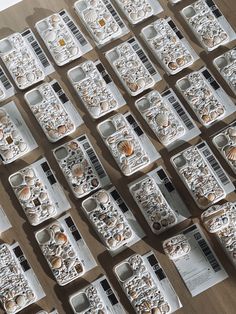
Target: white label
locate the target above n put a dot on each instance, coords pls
(216, 167)
(200, 269)
(144, 58)
(81, 39)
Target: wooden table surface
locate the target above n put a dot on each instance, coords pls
(219, 299)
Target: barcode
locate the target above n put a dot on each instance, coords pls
(94, 160)
(216, 167)
(211, 80)
(134, 125)
(175, 29)
(119, 201)
(162, 175)
(103, 73)
(5, 82)
(209, 255)
(213, 8)
(48, 173)
(107, 288)
(74, 29)
(143, 57)
(114, 13)
(21, 258)
(59, 91)
(156, 267)
(39, 52)
(181, 113)
(74, 231)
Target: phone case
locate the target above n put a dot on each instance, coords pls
(123, 144)
(108, 220)
(92, 89)
(57, 37)
(50, 112)
(12, 144)
(20, 61)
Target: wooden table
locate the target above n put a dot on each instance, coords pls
(220, 299)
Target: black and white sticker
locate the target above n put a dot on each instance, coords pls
(165, 179)
(21, 258)
(142, 56)
(6, 85)
(69, 107)
(73, 229)
(4, 80)
(40, 54)
(214, 164)
(175, 29)
(119, 201)
(92, 156)
(207, 252)
(156, 267)
(109, 292)
(110, 84)
(103, 72)
(74, 28)
(210, 79)
(48, 172)
(60, 93)
(215, 10)
(77, 241)
(114, 13)
(179, 109)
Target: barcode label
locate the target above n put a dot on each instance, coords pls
(216, 166)
(60, 93)
(211, 79)
(74, 231)
(175, 29)
(213, 8)
(114, 13)
(5, 82)
(103, 73)
(162, 175)
(94, 160)
(207, 252)
(134, 125)
(181, 113)
(110, 294)
(48, 173)
(73, 28)
(38, 50)
(156, 267)
(142, 56)
(21, 258)
(119, 201)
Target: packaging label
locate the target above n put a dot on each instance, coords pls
(200, 269)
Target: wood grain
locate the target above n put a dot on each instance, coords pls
(220, 299)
